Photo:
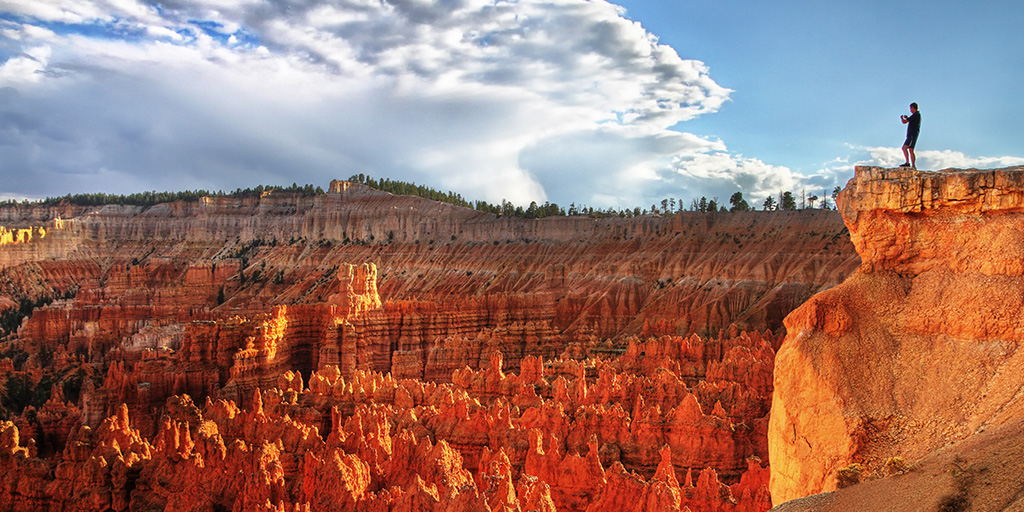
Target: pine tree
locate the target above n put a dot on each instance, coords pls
(788, 201)
(738, 203)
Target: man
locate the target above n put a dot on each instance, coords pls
(913, 123)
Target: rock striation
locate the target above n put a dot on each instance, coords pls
(917, 349)
(357, 350)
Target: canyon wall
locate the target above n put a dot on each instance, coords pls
(700, 272)
(422, 353)
(919, 348)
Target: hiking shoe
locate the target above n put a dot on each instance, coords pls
(905, 165)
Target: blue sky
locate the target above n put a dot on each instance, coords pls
(529, 100)
(812, 77)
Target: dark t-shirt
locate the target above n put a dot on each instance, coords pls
(914, 124)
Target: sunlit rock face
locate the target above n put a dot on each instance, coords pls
(357, 350)
(919, 347)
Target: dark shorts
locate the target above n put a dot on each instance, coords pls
(911, 141)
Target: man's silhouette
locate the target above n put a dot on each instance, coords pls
(913, 123)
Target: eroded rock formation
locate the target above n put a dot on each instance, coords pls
(400, 352)
(488, 441)
(920, 347)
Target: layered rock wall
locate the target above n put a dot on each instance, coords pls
(690, 272)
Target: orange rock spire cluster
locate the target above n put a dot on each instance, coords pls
(361, 351)
(20, 236)
(373, 442)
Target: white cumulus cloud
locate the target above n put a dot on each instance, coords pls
(529, 100)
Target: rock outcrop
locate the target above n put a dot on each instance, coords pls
(917, 349)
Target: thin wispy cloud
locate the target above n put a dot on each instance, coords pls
(934, 159)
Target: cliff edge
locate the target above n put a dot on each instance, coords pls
(918, 349)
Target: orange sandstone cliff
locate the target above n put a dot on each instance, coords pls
(914, 360)
(357, 350)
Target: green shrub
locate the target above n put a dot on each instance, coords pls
(897, 466)
(849, 475)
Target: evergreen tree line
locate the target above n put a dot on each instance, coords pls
(737, 203)
(410, 189)
(153, 197)
(786, 200)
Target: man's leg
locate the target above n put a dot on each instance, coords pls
(913, 157)
(906, 157)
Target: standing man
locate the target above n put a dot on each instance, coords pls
(913, 123)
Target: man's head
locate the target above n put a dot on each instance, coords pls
(913, 107)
